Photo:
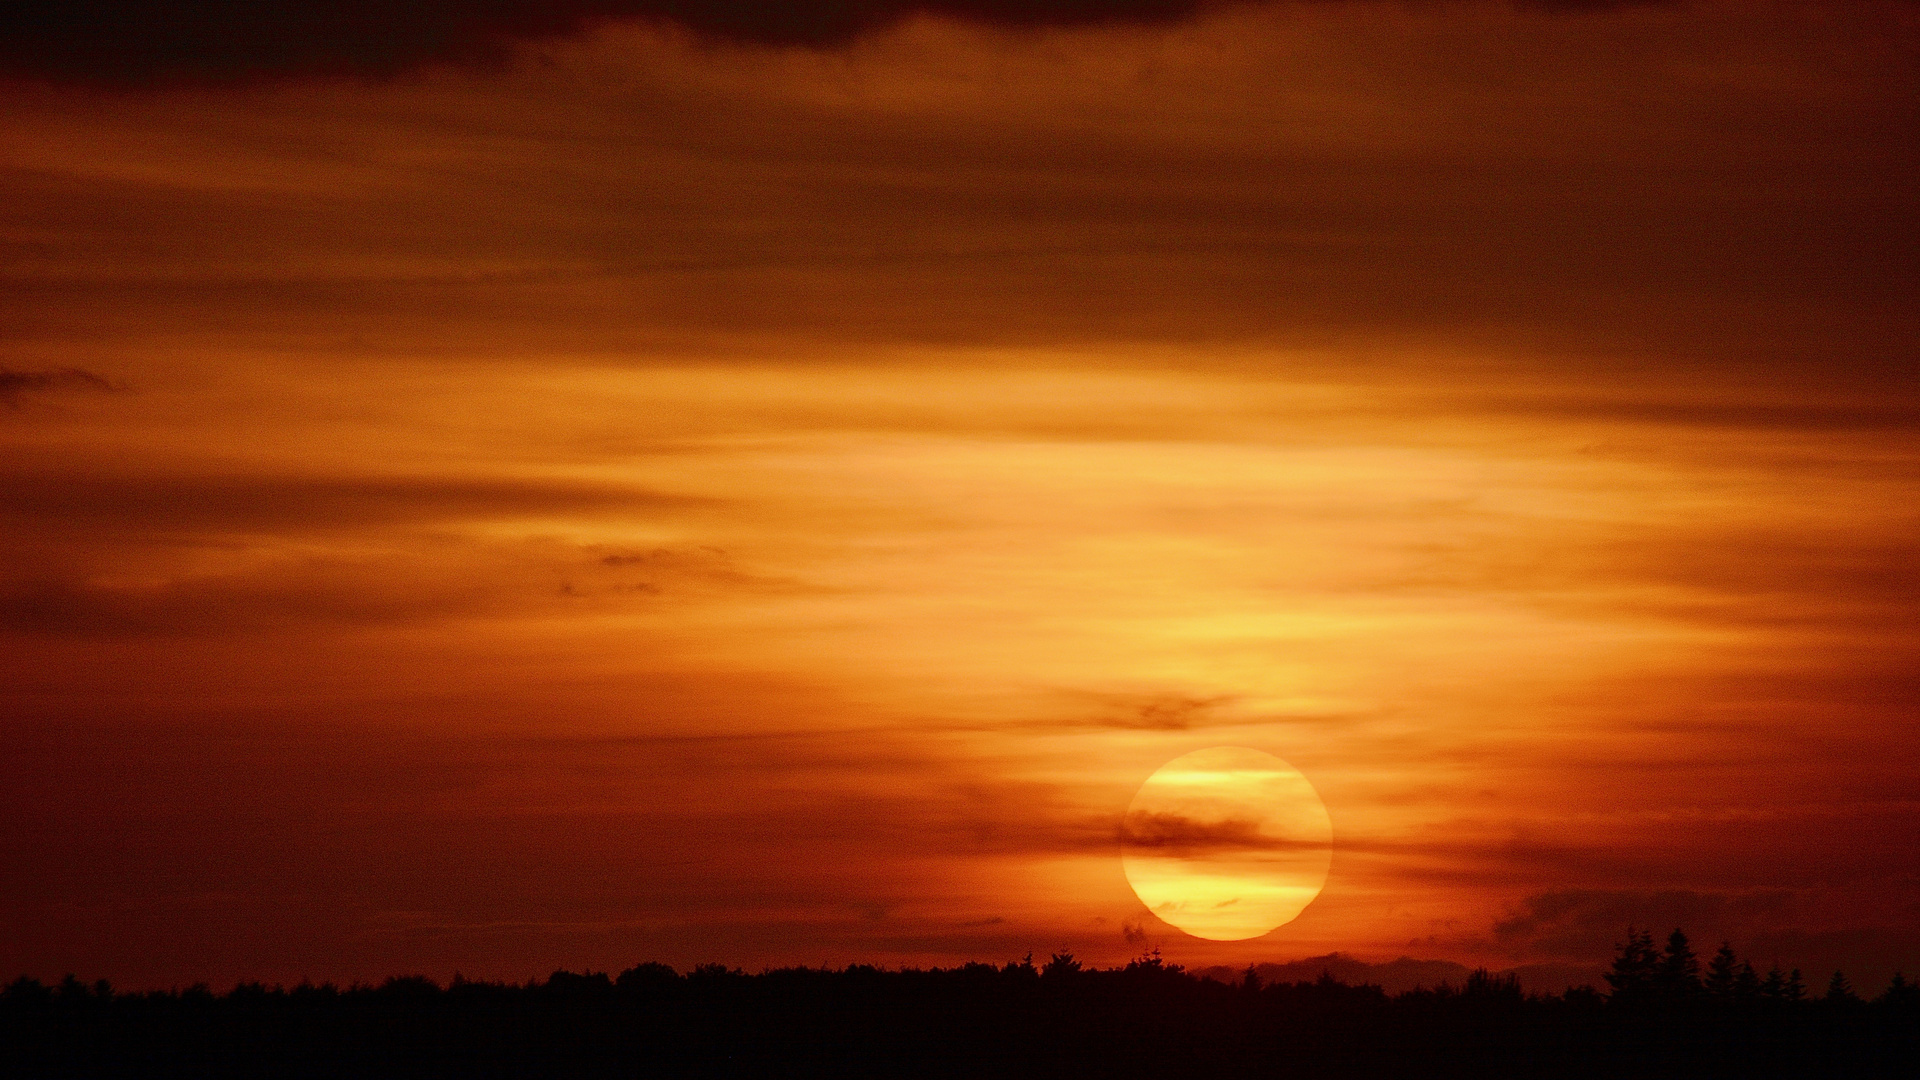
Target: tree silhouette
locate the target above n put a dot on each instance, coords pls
(1634, 964)
(1062, 966)
(649, 976)
(1148, 1018)
(1678, 974)
(1775, 984)
(1900, 993)
(1482, 983)
(1721, 972)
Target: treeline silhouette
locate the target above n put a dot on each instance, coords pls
(1663, 1014)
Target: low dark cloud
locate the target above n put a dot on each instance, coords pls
(1183, 837)
(54, 591)
(227, 555)
(1765, 926)
(138, 41)
(1588, 922)
(232, 606)
(131, 42)
(14, 384)
(1142, 711)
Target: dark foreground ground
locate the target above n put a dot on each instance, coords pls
(1018, 1020)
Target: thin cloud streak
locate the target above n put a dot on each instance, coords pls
(15, 385)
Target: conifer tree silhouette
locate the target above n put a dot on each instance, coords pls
(1900, 993)
(1721, 972)
(1062, 966)
(1775, 984)
(1678, 973)
(1746, 984)
(1632, 974)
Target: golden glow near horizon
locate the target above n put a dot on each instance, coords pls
(1227, 843)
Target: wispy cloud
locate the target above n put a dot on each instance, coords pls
(16, 384)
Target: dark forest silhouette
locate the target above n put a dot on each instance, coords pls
(1663, 1013)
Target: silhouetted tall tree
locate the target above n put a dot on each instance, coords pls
(1840, 991)
(1485, 984)
(1900, 993)
(1746, 983)
(1632, 974)
(1721, 971)
(1062, 966)
(1775, 984)
(1678, 973)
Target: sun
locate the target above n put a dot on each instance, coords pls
(1227, 843)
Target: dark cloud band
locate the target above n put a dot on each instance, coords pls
(13, 384)
(136, 42)
(130, 42)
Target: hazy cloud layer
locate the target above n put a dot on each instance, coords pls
(1647, 209)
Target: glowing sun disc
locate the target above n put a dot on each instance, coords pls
(1227, 843)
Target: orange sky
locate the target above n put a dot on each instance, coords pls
(667, 497)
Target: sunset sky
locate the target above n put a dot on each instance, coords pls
(578, 484)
